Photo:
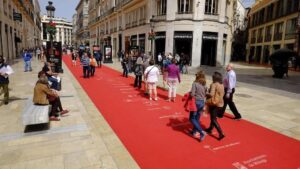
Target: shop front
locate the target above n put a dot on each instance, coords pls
(160, 44)
(183, 42)
(209, 48)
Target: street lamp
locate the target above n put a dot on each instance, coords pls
(151, 35)
(50, 13)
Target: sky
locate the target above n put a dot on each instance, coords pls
(66, 8)
(63, 8)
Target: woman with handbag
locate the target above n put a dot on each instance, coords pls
(215, 103)
(198, 92)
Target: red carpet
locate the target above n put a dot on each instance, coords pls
(155, 133)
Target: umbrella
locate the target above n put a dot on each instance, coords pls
(282, 55)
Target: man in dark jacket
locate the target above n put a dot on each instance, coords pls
(5, 71)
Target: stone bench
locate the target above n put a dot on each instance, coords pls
(35, 114)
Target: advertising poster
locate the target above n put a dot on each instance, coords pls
(54, 56)
(108, 54)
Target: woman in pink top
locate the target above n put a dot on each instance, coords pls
(173, 77)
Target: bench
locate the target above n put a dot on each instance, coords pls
(35, 114)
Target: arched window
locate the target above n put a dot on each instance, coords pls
(211, 7)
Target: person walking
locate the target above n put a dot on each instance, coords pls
(38, 53)
(85, 62)
(138, 72)
(125, 66)
(198, 91)
(93, 65)
(27, 60)
(74, 58)
(151, 76)
(5, 71)
(98, 57)
(173, 79)
(229, 85)
(215, 103)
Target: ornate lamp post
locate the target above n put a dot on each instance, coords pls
(51, 27)
(151, 36)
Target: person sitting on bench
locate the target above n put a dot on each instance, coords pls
(43, 95)
(52, 77)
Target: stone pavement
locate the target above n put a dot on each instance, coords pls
(261, 99)
(84, 140)
(81, 140)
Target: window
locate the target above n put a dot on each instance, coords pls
(185, 6)
(278, 31)
(211, 7)
(268, 33)
(161, 7)
(291, 26)
(253, 36)
(260, 35)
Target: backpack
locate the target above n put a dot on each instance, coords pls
(138, 70)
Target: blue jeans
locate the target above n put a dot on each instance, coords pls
(195, 117)
(86, 71)
(27, 66)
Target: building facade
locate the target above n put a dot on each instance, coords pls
(273, 25)
(74, 30)
(19, 26)
(199, 29)
(82, 31)
(63, 30)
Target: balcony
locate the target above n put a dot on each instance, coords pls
(290, 36)
(134, 23)
(186, 15)
(160, 17)
(142, 21)
(128, 25)
(211, 17)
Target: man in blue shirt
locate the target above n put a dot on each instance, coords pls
(27, 61)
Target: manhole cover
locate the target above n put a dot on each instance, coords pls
(243, 95)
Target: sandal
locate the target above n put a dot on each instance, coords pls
(64, 112)
(53, 118)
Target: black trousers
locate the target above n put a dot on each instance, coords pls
(229, 101)
(125, 72)
(56, 106)
(213, 110)
(99, 63)
(138, 81)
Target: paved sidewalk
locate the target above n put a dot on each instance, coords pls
(81, 140)
(261, 99)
